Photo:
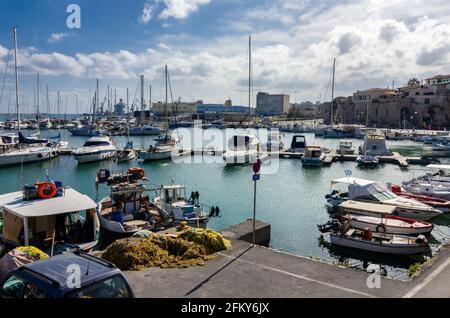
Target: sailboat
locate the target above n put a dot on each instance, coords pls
(165, 146)
(27, 150)
(128, 153)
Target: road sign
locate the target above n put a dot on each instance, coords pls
(257, 166)
(256, 177)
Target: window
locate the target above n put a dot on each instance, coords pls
(427, 101)
(16, 287)
(96, 143)
(114, 287)
(417, 93)
(387, 112)
(376, 111)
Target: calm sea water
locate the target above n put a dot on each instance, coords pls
(291, 200)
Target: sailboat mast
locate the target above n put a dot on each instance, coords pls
(142, 100)
(59, 111)
(16, 67)
(250, 72)
(37, 101)
(128, 117)
(48, 102)
(332, 92)
(96, 103)
(165, 108)
(76, 104)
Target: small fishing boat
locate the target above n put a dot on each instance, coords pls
(49, 216)
(344, 235)
(367, 191)
(313, 156)
(274, 142)
(242, 150)
(345, 147)
(389, 224)
(367, 160)
(172, 201)
(127, 209)
(95, 149)
(440, 204)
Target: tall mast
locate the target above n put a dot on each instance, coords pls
(165, 108)
(37, 100)
(17, 77)
(48, 102)
(59, 111)
(150, 98)
(142, 100)
(249, 72)
(332, 92)
(76, 104)
(96, 102)
(128, 116)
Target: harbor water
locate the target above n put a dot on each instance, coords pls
(292, 199)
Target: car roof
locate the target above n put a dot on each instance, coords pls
(55, 269)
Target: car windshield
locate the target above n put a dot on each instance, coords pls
(113, 287)
(16, 287)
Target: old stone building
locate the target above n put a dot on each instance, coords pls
(414, 106)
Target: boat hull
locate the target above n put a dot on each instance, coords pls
(95, 156)
(371, 246)
(383, 224)
(30, 156)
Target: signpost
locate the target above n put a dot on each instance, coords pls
(256, 177)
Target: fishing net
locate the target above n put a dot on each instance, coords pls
(19, 257)
(212, 241)
(156, 251)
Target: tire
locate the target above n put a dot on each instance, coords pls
(381, 228)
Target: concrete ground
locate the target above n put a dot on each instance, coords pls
(259, 272)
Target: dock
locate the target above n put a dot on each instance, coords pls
(261, 272)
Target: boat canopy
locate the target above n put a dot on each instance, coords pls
(352, 180)
(72, 201)
(441, 167)
(367, 207)
(370, 191)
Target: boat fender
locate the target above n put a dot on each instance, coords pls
(46, 190)
(381, 228)
(39, 155)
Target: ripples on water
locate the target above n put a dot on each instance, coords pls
(291, 200)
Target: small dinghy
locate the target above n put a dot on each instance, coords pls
(127, 154)
(344, 235)
(389, 224)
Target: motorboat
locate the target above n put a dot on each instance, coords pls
(242, 150)
(389, 224)
(163, 149)
(95, 149)
(172, 201)
(367, 160)
(345, 147)
(49, 216)
(127, 154)
(337, 133)
(313, 156)
(127, 209)
(298, 144)
(440, 204)
(344, 235)
(274, 142)
(45, 124)
(372, 192)
(375, 144)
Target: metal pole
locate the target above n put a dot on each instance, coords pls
(332, 93)
(17, 77)
(249, 72)
(254, 214)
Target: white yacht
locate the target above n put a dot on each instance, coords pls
(274, 142)
(345, 147)
(375, 144)
(163, 149)
(96, 149)
(242, 149)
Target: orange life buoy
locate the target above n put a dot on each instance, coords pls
(137, 171)
(46, 190)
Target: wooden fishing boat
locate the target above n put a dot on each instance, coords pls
(438, 203)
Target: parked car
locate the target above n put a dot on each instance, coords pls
(58, 277)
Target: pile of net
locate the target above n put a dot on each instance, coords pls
(19, 257)
(155, 251)
(212, 241)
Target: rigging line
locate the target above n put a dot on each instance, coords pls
(6, 73)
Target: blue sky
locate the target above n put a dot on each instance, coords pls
(204, 43)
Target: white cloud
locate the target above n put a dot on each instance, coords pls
(147, 13)
(180, 9)
(56, 37)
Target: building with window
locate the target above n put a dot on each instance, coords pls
(272, 104)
